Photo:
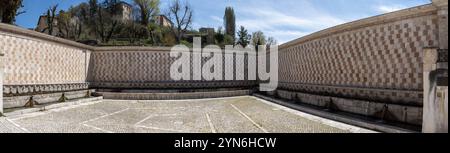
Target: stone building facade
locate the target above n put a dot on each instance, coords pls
(126, 11)
(364, 67)
(163, 21)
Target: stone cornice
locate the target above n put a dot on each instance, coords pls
(131, 48)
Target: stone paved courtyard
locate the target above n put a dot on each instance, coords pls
(223, 115)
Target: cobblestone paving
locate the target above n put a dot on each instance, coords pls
(224, 115)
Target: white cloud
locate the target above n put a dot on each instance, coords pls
(286, 27)
(217, 19)
(284, 36)
(293, 19)
(273, 17)
(388, 9)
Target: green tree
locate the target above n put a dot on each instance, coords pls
(168, 38)
(230, 22)
(155, 33)
(243, 37)
(258, 38)
(147, 9)
(133, 31)
(93, 7)
(228, 40)
(9, 9)
(220, 36)
(64, 23)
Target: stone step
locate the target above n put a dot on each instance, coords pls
(37, 108)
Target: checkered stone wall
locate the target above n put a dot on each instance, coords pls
(381, 62)
(148, 69)
(31, 61)
(38, 63)
(139, 66)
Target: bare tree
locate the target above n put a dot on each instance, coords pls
(98, 19)
(106, 25)
(51, 15)
(271, 41)
(69, 25)
(181, 15)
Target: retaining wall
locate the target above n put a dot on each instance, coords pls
(149, 68)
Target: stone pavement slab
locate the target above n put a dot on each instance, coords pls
(244, 114)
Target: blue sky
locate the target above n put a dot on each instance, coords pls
(283, 19)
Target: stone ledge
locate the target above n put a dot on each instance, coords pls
(132, 48)
(339, 117)
(405, 97)
(174, 85)
(394, 112)
(51, 106)
(172, 96)
(17, 90)
(167, 90)
(20, 101)
(34, 34)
